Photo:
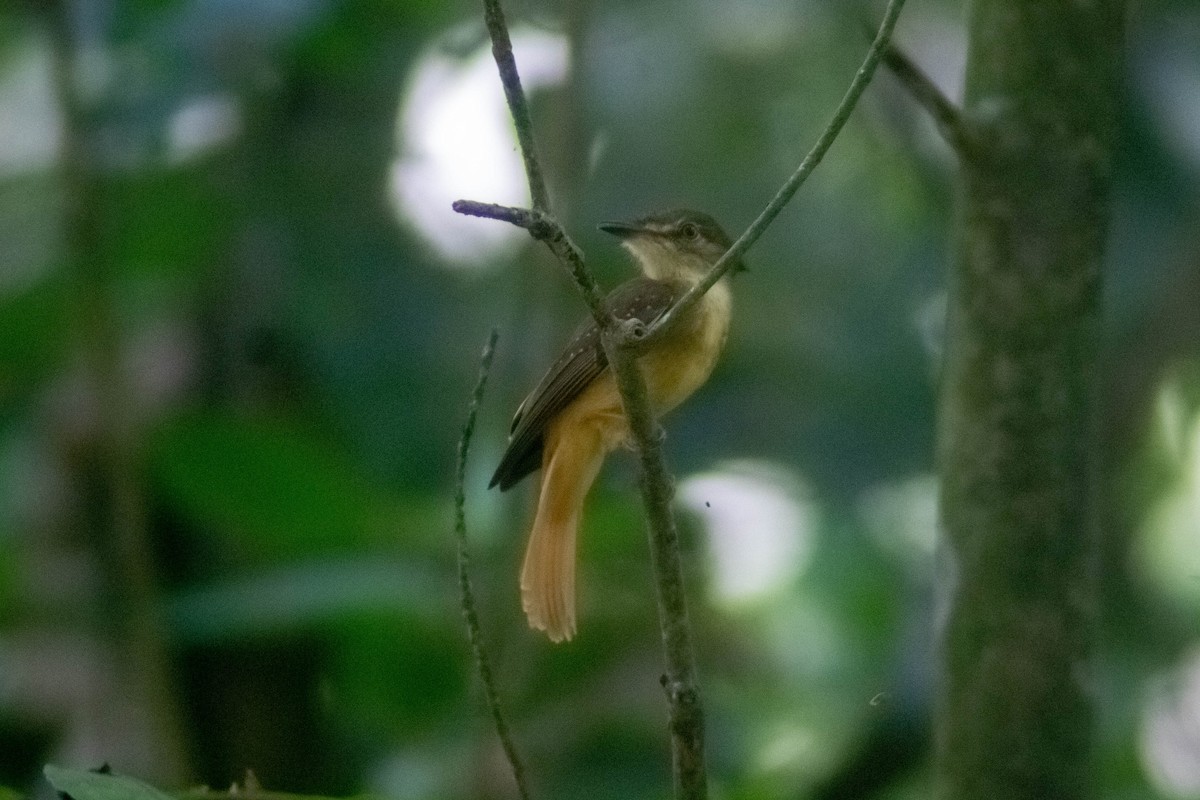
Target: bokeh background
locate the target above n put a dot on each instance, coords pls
(239, 325)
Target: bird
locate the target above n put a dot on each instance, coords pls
(573, 418)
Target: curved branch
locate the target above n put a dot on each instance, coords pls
(466, 594)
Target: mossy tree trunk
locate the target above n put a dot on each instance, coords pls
(1015, 711)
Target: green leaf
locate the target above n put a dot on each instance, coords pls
(34, 328)
(165, 223)
(272, 488)
(397, 675)
(294, 597)
(87, 785)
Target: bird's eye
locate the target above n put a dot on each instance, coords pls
(689, 230)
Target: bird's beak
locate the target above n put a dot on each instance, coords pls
(621, 230)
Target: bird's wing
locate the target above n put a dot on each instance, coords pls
(581, 362)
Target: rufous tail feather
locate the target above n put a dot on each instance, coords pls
(570, 463)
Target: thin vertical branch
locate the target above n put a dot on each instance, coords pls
(542, 225)
(686, 717)
(467, 595)
(658, 488)
(506, 63)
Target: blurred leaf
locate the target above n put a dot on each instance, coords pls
(10, 580)
(270, 487)
(10, 794)
(343, 46)
(87, 785)
(34, 329)
(291, 598)
(397, 674)
(138, 18)
(166, 222)
(31, 206)
(12, 34)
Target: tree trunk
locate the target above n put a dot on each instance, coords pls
(1015, 711)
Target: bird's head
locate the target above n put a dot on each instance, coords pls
(676, 244)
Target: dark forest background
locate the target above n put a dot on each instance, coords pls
(239, 325)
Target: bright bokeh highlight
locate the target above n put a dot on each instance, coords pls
(760, 521)
(456, 141)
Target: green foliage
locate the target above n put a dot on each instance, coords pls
(166, 223)
(270, 488)
(35, 327)
(302, 597)
(106, 785)
(398, 676)
(89, 785)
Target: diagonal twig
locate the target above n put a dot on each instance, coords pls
(467, 596)
(947, 116)
(857, 86)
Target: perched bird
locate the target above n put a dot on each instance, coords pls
(573, 418)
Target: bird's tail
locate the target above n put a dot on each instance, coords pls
(571, 462)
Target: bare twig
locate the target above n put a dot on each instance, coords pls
(493, 17)
(464, 578)
(947, 116)
(521, 217)
(788, 190)
(544, 228)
